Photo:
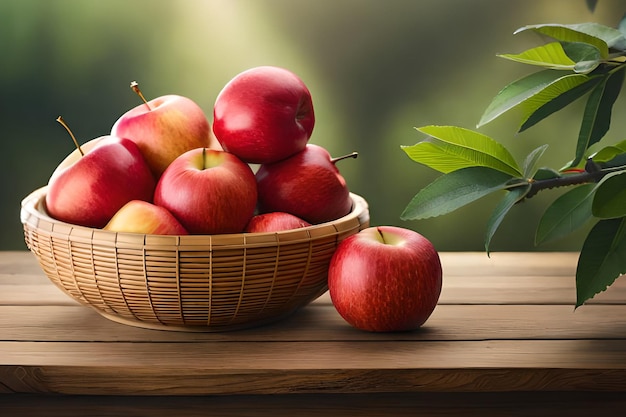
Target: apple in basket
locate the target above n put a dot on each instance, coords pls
(164, 128)
(307, 185)
(274, 222)
(94, 181)
(138, 216)
(385, 278)
(263, 115)
(209, 191)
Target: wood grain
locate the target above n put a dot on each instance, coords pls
(23, 263)
(504, 340)
(546, 278)
(226, 368)
(322, 323)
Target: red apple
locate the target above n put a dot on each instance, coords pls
(208, 191)
(88, 190)
(164, 128)
(275, 222)
(263, 115)
(385, 279)
(139, 216)
(307, 185)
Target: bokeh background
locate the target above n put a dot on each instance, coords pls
(376, 69)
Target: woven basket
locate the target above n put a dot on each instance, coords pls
(188, 283)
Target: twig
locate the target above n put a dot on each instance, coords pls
(592, 173)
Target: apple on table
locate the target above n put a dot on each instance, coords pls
(385, 279)
(263, 115)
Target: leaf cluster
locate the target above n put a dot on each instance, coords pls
(577, 61)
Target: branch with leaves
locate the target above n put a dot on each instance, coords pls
(580, 60)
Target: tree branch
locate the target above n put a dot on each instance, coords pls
(592, 173)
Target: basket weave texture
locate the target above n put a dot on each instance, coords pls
(189, 283)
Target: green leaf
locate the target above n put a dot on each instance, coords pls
(601, 36)
(610, 199)
(587, 57)
(574, 33)
(597, 116)
(608, 153)
(619, 161)
(554, 97)
(550, 56)
(545, 173)
(565, 56)
(602, 259)
(613, 37)
(451, 148)
(454, 190)
(530, 163)
(566, 214)
(517, 92)
(501, 210)
(538, 95)
(429, 153)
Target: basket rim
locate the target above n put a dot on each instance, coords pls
(34, 215)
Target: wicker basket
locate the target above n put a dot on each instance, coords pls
(189, 283)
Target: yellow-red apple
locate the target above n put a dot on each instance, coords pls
(138, 216)
(164, 128)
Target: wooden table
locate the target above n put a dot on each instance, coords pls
(504, 340)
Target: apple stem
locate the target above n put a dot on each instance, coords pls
(203, 158)
(339, 158)
(60, 120)
(135, 86)
(380, 234)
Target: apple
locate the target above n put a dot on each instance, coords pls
(307, 185)
(209, 191)
(138, 216)
(385, 279)
(164, 128)
(89, 189)
(263, 115)
(274, 222)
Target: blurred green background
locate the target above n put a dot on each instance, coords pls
(376, 69)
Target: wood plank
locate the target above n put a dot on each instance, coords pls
(507, 263)
(24, 264)
(321, 367)
(221, 356)
(20, 267)
(558, 290)
(322, 323)
(34, 295)
(497, 284)
(525, 290)
(504, 323)
(513, 289)
(548, 404)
